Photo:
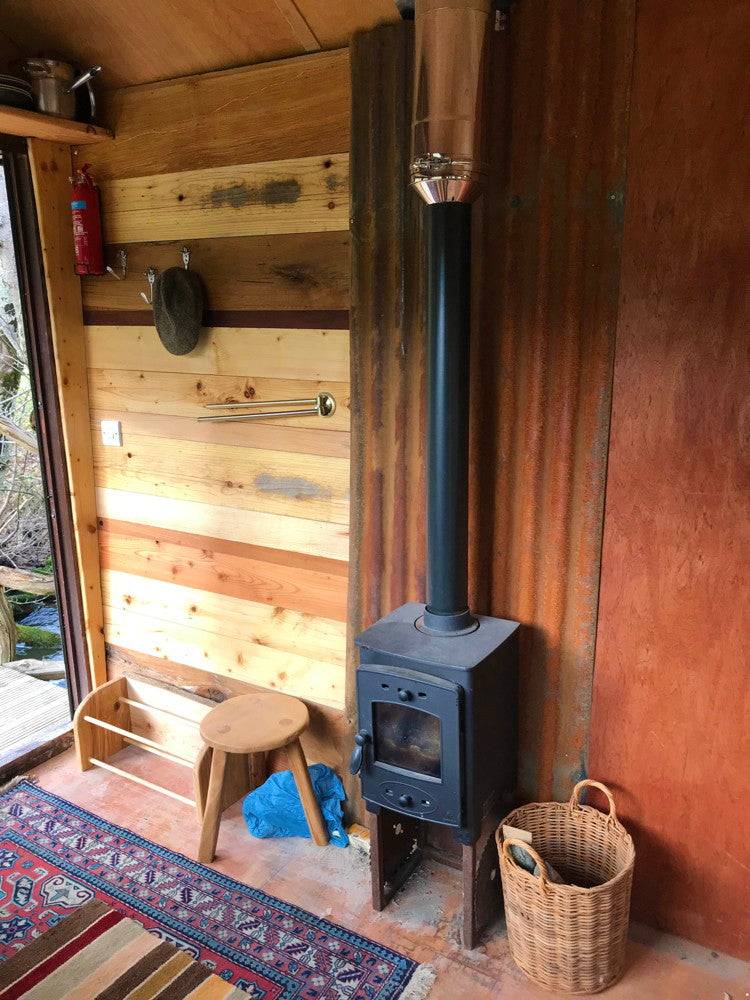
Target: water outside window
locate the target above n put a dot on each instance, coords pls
(33, 685)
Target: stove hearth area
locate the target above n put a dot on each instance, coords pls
(437, 744)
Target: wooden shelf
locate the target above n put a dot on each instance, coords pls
(33, 125)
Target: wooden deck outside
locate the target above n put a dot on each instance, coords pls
(29, 708)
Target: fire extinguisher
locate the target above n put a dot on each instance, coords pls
(87, 224)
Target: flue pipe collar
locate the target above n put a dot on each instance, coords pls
(450, 55)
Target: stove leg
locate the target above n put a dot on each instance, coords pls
(480, 876)
(395, 853)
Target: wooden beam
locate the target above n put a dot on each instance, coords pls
(23, 579)
(33, 125)
(301, 29)
(50, 169)
(270, 111)
(10, 430)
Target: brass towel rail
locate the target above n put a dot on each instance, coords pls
(322, 405)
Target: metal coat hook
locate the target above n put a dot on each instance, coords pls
(150, 274)
(123, 258)
(185, 251)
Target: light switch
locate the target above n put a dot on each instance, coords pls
(112, 433)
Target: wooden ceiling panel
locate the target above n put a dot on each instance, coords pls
(145, 40)
(8, 52)
(335, 21)
(141, 41)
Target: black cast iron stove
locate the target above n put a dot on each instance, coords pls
(437, 719)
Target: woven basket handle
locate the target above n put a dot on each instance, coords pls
(589, 783)
(515, 842)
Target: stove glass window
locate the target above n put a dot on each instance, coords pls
(407, 738)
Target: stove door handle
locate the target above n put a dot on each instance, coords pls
(357, 758)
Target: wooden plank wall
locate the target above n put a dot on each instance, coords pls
(224, 547)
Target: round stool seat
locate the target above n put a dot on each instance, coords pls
(254, 723)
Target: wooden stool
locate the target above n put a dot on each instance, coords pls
(250, 725)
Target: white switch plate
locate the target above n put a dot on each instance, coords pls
(112, 433)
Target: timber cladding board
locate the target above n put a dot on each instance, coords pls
(288, 534)
(307, 355)
(268, 435)
(50, 168)
(265, 624)
(308, 194)
(322, 681)
(277, 482)
(184, 395)
(311, 585)
(281, 272)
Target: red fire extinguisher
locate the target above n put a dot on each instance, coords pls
(87, 224)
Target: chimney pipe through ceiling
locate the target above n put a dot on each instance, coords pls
(446, 171)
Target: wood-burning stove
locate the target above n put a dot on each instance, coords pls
(437, 717)
(436, 685)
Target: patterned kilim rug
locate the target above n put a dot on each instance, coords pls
(55, 857)
(98, 954)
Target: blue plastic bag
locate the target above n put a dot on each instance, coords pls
(275, 810)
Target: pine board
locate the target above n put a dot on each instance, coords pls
(277, 531)
(269, 668)
(270, 435)
(308, 584)
(305, 195)
(50, 168)
(184, 395)
(295, 271)
(292, 107)
(304, 355)
(246, 478)
(276, 627)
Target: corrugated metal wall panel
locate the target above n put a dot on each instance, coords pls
(544, 344)
(387, 553)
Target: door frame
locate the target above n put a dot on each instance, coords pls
(48, 418)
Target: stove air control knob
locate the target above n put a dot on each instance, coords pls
(405, 695)
(405, 801)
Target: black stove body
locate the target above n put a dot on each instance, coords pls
(438, 721)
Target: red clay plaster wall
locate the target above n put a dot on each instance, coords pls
(671, 711)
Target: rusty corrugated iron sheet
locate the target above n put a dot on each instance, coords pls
(550, 257)
(387, 556)
(547, 251)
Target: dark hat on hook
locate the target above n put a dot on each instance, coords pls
(178, 309)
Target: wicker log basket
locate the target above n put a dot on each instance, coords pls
(570, 938)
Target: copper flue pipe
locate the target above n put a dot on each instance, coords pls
(451, 47)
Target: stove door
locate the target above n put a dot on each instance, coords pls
(410, 738)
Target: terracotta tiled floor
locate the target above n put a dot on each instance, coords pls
(422, 921)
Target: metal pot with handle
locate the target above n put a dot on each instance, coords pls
(54, 84)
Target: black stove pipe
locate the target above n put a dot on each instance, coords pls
(448, 230)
